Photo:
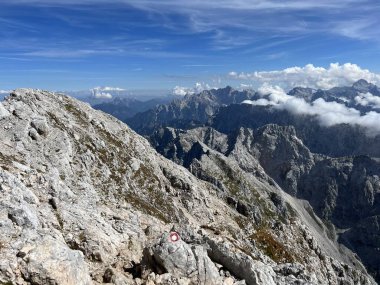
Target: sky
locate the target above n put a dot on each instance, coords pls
(179, 44)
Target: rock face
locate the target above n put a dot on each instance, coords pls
(85, 200)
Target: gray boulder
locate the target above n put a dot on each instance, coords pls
(185, 260)
(51, 262)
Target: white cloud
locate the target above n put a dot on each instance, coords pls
(311, 76)
(107, 88)
(5, 91)
(275, 94)
(368, 99)
(102, 95)
(181, 91)
(105, 92)
(327, 113)
(198, 87)
(259, 102)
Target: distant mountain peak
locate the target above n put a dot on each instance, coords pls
(361, 84)
(228, 88)
(302, 92)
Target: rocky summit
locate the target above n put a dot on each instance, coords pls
(85, 200)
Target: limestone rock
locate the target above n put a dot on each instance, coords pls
(3, 112)
(183, 260)
(52, 262)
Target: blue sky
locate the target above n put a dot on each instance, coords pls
(152, 44)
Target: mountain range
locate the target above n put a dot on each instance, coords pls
(335, 166)
(86, 200)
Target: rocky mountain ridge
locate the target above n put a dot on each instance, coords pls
(190, 111)
(225, 103)
(345, 95)
(85, 200)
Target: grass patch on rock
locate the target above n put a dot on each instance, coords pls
(272, 247)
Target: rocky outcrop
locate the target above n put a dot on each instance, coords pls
(182, 260)
(85, 200)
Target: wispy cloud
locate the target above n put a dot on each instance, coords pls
(14, 58)
(54, 53)
(63, 50)
(289, 17)
(364, 29)
(274, 56)
(239, 23)
(220, 4)
(201, 65)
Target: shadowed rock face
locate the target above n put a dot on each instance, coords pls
(335, 141)
(85, 200)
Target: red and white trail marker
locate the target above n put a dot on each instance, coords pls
(173, 237)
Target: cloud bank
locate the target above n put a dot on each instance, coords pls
(368, 99)
(327, 113)
(335, 75)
